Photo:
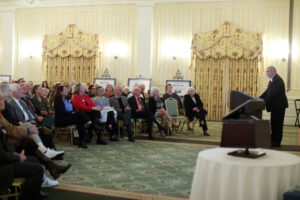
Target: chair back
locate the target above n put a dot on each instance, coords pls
(172, 107)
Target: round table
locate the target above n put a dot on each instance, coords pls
(219, 176)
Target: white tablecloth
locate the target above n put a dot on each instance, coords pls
(219, 176)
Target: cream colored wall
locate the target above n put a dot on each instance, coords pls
(180, 20)
(114, 23)
(0, 42)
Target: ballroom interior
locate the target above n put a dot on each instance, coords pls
(217, 45)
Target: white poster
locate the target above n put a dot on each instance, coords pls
(5, 78)
(180, 86)
(138, 81)
(105, 81)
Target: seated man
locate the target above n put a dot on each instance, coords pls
(121, 105)
(13, 165)
(169, 94)
(45, 120)
(21, 114)
(25, 143)
(139, 110)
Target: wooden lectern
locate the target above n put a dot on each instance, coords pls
(243, 125)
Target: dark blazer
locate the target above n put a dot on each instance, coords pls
(113, 101)
(134, 106)
(152, 104)
(16, 112)
(6, 158)
(189, 104)
(274, 96)
(60, 112)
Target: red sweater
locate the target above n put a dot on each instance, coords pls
(83, 103)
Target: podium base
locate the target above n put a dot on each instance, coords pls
(247, 154)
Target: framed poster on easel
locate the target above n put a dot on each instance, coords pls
(138, 81)
(5, 78)
(105, 81)
(180, 86)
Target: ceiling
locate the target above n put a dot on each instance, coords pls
(12, 4)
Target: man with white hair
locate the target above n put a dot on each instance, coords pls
(139, 110)
(21, 114)
(276, 103)
(121, 105)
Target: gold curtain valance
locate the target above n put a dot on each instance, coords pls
(227, 41)
(71, 42)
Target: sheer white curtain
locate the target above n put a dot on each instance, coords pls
(178, 21)
(115, 23)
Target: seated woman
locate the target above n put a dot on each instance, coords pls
(109, 90)
(156, 106)
(169, 93)
(108, 114)
(65, 115)
(82, 102)
(39, 102)
(194, 108)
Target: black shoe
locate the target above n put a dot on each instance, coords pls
(101, 141)
(83, 145)
(116, 139)
(160, 127)
(43, 195)
(150, 137)
(275, 144)
(131, 138)
(58, 157)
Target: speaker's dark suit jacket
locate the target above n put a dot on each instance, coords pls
(274, 96)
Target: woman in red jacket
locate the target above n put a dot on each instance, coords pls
(82, 102)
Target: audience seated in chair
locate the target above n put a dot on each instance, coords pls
(108, 114)
(120, 104)
(109, 90)
(194, 108)
(22, 115)
(125, 91)
(21, 136)
(156, 107)
(65, 115)
(169, 93)
(139, 110)
(82, 102)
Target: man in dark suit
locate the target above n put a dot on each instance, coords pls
(121, 105)
(139, 110)
(276, 103)
(13, 165)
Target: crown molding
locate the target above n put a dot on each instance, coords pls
(13, 4)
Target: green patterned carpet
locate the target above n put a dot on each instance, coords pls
(145, 169)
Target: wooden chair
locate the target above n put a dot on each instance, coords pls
(65, 131)
(17, 184)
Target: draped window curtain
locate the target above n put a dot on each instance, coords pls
(81, 69)
(225, 59)
(71, 55)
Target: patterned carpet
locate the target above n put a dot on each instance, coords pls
(144, 169)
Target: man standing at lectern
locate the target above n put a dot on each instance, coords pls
(276, 103)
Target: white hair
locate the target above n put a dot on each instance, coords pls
(14, 87)
(125, 88)
(153, 90)
(190, 89)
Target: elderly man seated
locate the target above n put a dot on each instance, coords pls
(139, 110)
(120, 104)
(21, 136)
(19, 112)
